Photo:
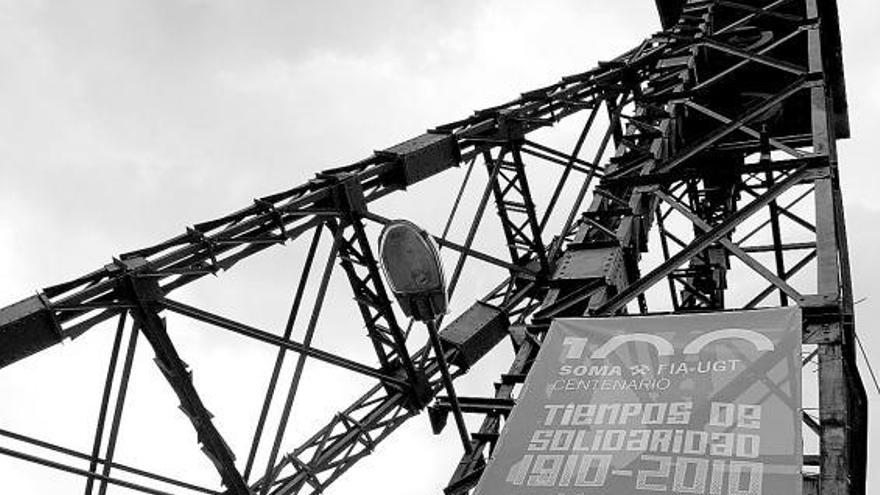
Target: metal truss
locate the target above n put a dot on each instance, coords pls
(719, 131)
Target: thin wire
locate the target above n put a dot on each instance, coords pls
(865, 356)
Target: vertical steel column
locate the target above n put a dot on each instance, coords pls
(105, 402)
(268, 478)
(118, 408)
(834, 391)
(279, 358)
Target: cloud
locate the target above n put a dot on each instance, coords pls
(125, 121)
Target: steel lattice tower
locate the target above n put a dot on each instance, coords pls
(717, 136)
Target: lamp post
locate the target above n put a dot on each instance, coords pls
(411, 263)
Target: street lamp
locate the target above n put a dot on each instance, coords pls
(411, 263)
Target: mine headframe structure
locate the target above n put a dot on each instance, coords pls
(731, 112)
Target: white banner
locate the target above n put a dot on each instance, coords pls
(697, 404)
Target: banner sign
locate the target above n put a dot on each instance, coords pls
(699, 403)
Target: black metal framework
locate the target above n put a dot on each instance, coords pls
(719, 130)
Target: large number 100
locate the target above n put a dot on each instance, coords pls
(692, 476)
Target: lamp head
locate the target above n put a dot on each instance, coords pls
(412, 267)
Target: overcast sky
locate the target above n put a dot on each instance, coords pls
(122, 122)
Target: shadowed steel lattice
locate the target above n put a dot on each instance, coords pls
(716, 134)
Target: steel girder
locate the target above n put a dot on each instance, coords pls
(687, 111)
